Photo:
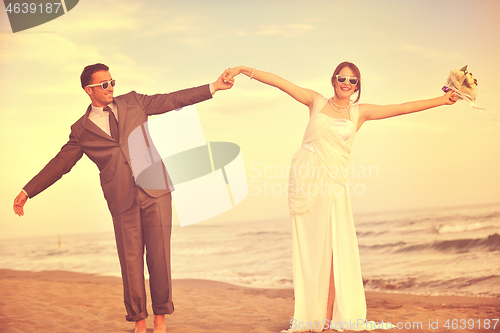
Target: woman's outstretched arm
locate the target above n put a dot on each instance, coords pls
(371, 111)
(303, 95)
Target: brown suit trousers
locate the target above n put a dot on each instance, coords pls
(148, 223)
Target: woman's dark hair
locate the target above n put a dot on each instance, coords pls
(88, 71)
(356, 72)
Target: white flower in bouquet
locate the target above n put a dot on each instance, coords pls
(463, 83)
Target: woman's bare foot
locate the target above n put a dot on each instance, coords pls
(140, 326)
(160, 326)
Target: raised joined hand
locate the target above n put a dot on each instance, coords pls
(230, 73)
(223, 83)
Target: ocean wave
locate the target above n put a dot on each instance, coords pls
(209, 250)
(470, 286)
(490, 243)
(387, 246)
(370, 233)
(390, 284)
(448, 229)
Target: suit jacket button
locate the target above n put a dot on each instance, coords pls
(126, 163)
(122, 144)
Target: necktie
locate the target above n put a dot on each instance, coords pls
(113, 123)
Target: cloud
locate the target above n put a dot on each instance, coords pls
(101, 17)
(167, 25)
(47, 49)
(432, 54)
(161, 23)
(287, 30)
(62, 60)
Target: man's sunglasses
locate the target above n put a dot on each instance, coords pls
(352, 79)
(104, 85)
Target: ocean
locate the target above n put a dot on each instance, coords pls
(440, 251)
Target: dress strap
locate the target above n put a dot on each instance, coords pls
(354, 113)
(318, 104)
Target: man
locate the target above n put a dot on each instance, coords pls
(142, 217)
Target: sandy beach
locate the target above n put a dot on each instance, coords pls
(61, 302)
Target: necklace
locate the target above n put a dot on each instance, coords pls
(337, 107)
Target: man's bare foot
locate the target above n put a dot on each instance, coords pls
(140, 326)
(160, 326)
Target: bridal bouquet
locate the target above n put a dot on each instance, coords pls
(463, 83)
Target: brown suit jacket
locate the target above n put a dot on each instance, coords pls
(112, 157)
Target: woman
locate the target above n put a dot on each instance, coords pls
(326, 270)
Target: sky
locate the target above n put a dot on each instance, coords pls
(443, 157)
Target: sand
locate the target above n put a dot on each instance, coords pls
(62, 302)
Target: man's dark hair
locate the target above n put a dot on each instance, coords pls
(88, 71)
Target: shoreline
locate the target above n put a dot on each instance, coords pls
(69, 276)
(61, 301)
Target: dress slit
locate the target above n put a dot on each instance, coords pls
(331, 275)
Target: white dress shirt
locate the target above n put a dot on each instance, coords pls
(101, 117)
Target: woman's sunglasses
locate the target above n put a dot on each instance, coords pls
(352, 79)
(104, 85)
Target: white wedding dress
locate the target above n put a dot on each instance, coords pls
(323, 226)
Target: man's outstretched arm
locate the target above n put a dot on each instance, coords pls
(62, 163)
(161, 103)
